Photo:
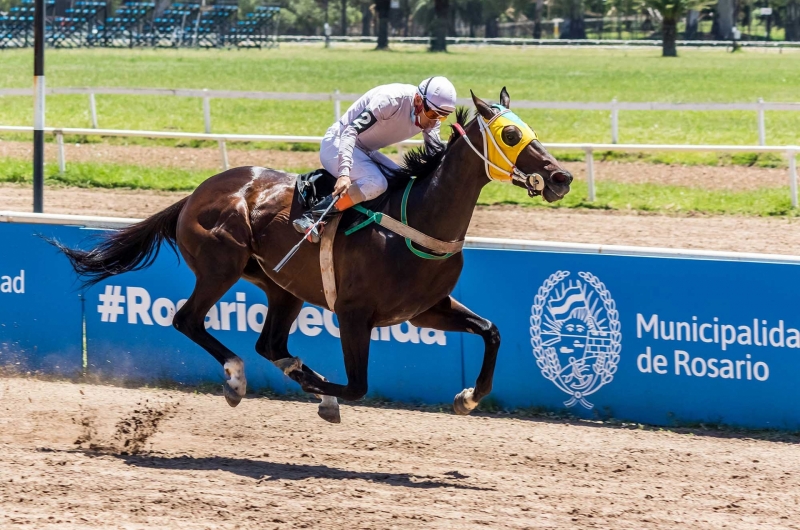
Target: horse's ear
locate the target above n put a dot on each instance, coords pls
(505, 99)
(483, 108)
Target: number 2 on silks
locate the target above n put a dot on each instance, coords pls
(364, 121)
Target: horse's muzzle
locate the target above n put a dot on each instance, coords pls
(557, 185)
(561, 176)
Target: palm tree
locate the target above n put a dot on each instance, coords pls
(382, 8)
(441, 10)
(671, 12)
(792, 24)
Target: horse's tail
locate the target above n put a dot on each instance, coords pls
(132, 248)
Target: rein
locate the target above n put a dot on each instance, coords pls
(412, 235)
(533, 182)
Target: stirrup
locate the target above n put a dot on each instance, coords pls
(304, 225)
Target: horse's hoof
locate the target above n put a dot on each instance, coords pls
(329, 410)
(231, 396)
(330, 414)
(463, 403)
(235, 385)
(289, 364)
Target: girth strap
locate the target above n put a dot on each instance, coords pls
(326, 260)
(401, 228)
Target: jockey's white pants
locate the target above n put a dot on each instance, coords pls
(366, 176)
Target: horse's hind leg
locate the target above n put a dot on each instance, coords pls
(450, 315)
(273, 343)
(214, 278)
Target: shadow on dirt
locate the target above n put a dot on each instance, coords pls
(488, 408)
(264, 471)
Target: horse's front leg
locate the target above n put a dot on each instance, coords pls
(273, 343)
(355, 328)
(450, 315)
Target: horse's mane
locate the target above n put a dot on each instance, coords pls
(422, 162)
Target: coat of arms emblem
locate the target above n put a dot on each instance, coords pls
(575, 334)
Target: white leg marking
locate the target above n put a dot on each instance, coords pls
(329, 401)
(234, 373)
(469, 402)
(289, 364)
(329, 409)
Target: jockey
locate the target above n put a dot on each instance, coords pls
(385, 115)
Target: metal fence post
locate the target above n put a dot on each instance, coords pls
(590, 172)
(762, 133)
(207, 112)
(337, 105)
(93, 110)
(614, 122)
(792, 154)
(223, 151)
(61, 161)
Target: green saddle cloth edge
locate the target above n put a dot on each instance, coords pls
(377, 217)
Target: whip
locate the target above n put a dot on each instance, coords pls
(292, 252)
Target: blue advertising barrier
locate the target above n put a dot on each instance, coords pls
(40, 307)
(657, 340)
(649, 336)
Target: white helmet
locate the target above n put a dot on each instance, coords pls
(439, 93)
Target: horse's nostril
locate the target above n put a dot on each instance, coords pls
(562, 177)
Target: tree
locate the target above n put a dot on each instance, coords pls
(792, 24)
(671, 12)
(571, 11)
(598, 9)
(530, 10)
(366, 19)
(537, 19)
(692, 24)
(470, 12)
(723, 20)
(302, 17)
(439, 25)
(382, 8)
(492, 11)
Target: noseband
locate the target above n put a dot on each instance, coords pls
(533, 182)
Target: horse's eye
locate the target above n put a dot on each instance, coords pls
(511, 135)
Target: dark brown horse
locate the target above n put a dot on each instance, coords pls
(237, 224)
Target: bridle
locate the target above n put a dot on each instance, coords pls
(533, 182)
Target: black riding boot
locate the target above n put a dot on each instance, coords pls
(304, 223)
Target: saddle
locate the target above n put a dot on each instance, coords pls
(314, 186)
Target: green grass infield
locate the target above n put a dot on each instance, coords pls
(543, 74)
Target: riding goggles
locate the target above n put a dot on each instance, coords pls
(431, 113)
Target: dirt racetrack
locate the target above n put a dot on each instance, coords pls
(89, 456)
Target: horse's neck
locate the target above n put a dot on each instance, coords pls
(443, 204)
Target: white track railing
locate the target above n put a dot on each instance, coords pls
(759, 106)
(790, 151)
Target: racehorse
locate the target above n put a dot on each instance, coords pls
(237, 224)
